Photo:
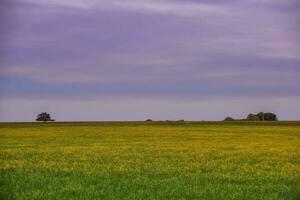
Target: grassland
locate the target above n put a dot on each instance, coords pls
(233, 160)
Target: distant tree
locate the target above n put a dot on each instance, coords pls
(270, 117)
(228, 119)
(44, 117)
(261, 116)
(149, 120)
(253, 117)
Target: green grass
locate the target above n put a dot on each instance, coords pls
(154, 160)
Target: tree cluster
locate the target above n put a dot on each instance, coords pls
(261, 116)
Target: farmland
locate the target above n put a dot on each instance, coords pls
(150, 160)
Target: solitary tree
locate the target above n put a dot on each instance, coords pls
(44, 117)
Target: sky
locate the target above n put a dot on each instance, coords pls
(137, 59)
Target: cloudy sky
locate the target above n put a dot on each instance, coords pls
(159, 59)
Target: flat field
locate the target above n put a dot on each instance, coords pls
(155, 160)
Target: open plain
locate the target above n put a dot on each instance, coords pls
(150, 160)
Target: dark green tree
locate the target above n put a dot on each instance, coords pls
(253, 117)
(270, 117)
(261, 116)
(44, 117)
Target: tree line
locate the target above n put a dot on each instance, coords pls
(261, 116)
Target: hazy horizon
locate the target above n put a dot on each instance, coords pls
(113, 60)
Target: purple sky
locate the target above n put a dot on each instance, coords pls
(159, 59)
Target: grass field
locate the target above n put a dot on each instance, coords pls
(135, 160)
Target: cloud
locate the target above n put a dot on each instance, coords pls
(158, 6)
(264, 76)
(67, 3)
(176, 7)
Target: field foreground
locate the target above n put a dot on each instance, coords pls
(153, 160)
